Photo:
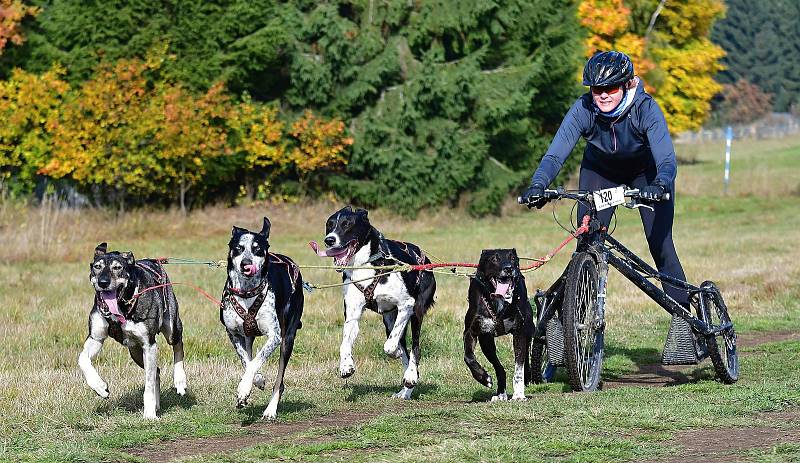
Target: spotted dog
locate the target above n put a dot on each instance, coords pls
(399, 297)
(498, 305)
(133, 303)
(263, 296)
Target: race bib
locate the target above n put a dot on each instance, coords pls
(603, 199)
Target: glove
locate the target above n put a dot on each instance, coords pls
(534, 196)
(653, 193)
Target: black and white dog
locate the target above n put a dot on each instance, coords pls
(133, 303)
(399, 297)
(498, 305)
(263, 296)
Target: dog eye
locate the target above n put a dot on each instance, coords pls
(239, 248)
(98, 266)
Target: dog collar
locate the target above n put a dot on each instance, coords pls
(250, 292)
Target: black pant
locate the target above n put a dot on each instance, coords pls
(657, 223)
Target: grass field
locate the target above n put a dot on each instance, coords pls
(745, 241)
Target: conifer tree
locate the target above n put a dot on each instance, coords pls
(763, 47)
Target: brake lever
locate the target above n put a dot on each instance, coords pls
(635, 205)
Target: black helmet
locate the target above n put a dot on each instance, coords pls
(607, 68)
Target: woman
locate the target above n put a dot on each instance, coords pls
(628, 143)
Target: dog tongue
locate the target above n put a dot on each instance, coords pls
(110, 298)
(250, 270)
(501, 290)
(326, 252)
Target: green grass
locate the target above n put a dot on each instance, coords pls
(745, 241)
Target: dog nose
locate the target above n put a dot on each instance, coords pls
(507, 269)
(246, 262)
(330, 240)
(104, 282)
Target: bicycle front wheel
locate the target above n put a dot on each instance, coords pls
(583, 329)
(721, 346)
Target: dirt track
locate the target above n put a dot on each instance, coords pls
(723, 445)
(700, 445)
(260, 433)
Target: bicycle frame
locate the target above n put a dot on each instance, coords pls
(608, 251)
(581, 319)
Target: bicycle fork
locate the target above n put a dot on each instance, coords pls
(602, 272)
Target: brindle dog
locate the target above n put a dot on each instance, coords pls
(126, 309)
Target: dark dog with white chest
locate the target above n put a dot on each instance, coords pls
(401, 298)
(133, 303)
(263, 296)
(498, 305)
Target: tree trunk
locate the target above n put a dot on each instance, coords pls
(653, 20)
(183, 190)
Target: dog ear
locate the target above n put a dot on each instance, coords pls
(266, 227)
(100, 249)
(363, 213)
(236, 231)
(128, 256)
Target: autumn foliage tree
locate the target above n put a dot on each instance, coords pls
(29, 108)
(743, 102)
(609, 23)
(669, 44)
(320, 144)
(12, 12)
(136, 134)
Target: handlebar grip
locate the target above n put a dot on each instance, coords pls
(520, 200)
(666, 197)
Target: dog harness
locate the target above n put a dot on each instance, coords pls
(385, 253)
(248, 315)
(369, 292)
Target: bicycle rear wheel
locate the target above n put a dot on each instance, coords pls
(721, 346)
(583, 330)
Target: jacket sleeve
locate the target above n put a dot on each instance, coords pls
(572, 127)
(657, 133)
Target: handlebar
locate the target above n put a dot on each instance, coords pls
(560, 193)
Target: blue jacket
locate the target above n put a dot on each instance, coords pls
(619, 148)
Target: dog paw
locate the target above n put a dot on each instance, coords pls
(519, 398)
(403, 394)
(243, 392)
(269, 415)
(179, 382)
(500, 397)
(151, 415)
(392, 349)
(346, 369)
(259, 381)
(410, 380)
(101, 388)
(241, 399)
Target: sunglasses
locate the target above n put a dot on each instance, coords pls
(607, 90)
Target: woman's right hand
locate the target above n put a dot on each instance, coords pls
(534, 196)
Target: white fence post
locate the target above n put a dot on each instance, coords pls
(728, 140)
